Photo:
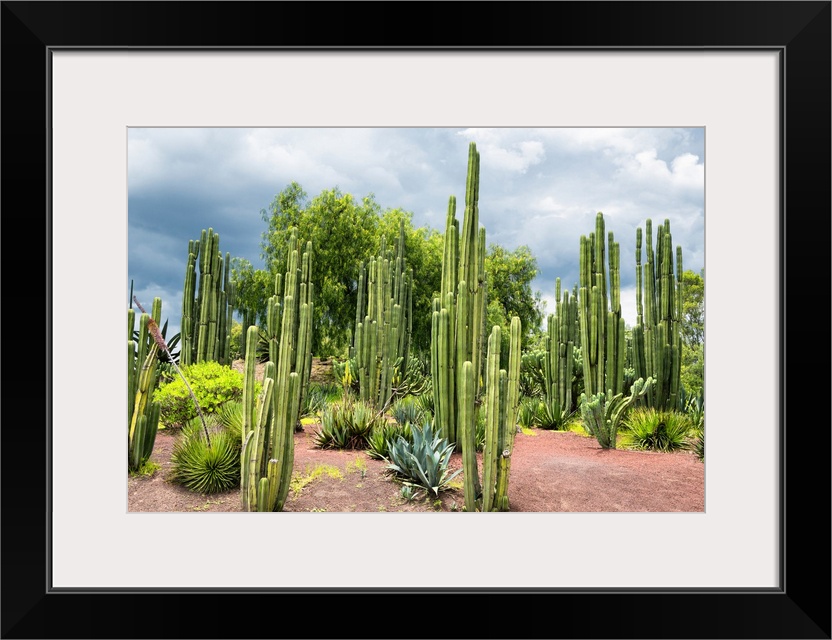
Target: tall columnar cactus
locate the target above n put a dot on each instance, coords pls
(602, 414)
(270, 418)
(602, 327)
(558, 358)
(459, 311)
(142, 372)
(384, 322)
(657, 336)
(207, 302)
(502, 399)
(603, 344)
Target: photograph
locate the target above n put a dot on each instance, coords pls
(379, 277)
(568, 236)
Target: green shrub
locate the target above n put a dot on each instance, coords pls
(652, 429)
(203, 468)
(422, 462)
(213, 385)
(346, 425)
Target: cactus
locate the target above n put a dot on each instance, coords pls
(383, 322)
(602, 414)
(270, 418)
(207, 302)
(558, 363)
(602, 327)
(502, 399)
(657, 337)
(459, 311)
(142, 371)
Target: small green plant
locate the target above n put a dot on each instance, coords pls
(346, 425)
(212, 384)
(300, 480)
(652, 429)
(146, 470)
(406, 410)
(425, 402)
(408, 493)
(423, 462)
(527, 412)
(203, 466)
(230, 416)
(698, 444)
(378, 444)
(358, 466)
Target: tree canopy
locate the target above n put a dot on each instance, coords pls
(346, 231)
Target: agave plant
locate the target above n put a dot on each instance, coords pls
(422, 462)
(204, 467)
(407, 410)
(652, 429)
(346, 425)
(378, 444)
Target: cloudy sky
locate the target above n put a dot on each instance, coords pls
(538, 187)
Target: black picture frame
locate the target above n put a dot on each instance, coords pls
(800, 608)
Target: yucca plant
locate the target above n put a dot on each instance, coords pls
(204, 467)
(422, 462)
(652, 429)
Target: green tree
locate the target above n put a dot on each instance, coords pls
(343, 231)
(253, 289)
(509, 276)
(693, 331)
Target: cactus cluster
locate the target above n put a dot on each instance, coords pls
(383, 322)
(603, 344)
(657, 336)
(459, 312)
(269, 419)
(558, 359)
(142, 371)
(207, 302)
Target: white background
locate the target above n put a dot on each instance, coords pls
(96, 96)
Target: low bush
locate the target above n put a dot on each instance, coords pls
(213, 385)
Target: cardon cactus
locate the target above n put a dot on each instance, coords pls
(459, 311)
(269, 419)
(558, 362)
(207, 302)
(384, 322)
(657, 336)
(502, 398)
